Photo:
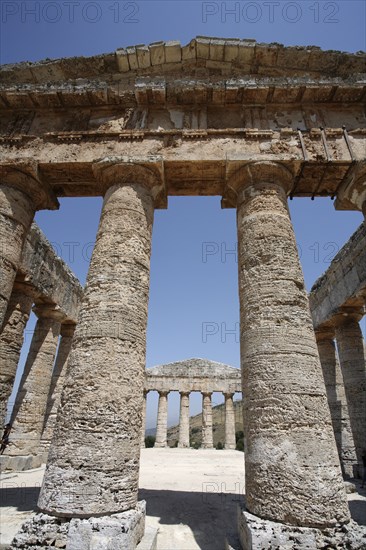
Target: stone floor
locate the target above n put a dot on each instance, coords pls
(191, 497)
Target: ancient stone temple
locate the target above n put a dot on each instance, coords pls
(256, 124)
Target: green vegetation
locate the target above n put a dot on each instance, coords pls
(149, 441)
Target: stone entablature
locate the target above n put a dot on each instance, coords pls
(48, 274)
(343, 285)
(191, 375)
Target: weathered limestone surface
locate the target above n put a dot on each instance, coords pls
(337, 401)
(93, 463)
(16, 215)
(194, 375)
(258, 534)
(292, 468)
(353, 364)
(207, 436)
(344, 282)
(162, 420)
(121, 531)
(230, 441)
(57, 382)
(184, 420)
(49, 274)
(12, 337)
(31, 402)
(143, 420)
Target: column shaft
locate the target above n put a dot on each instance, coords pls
(337, 402)
(352, 360)
(11, 338)
(57, 382)
(291, 461)
(143, 420)
(184, 420)
(16, 215)
(207, 436)
(162, 421)
(31, 401)
(93, 463)
(230, 442)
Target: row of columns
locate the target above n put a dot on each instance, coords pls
(207, 433)
(292, 468)
(345, 381)
(38, 396)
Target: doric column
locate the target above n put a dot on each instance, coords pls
(230, 442)
(21, 194)
(143, 419)
(336, 400)
(11, 338)
(352, 360)
(184, 420)
(31, 401)
(57, 382)
(93, 463)
(292, 469)
(207, 436)
(351, 195)
(162, 420)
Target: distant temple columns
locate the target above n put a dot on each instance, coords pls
(143, 419)
(289, 436)
(31, 401)
(184, 420)
(351, 352)
(162, 422)
(21, 195)
(95, 451)
(12, 337)
(57, 382)
(337, 400)
(230, 441)
(207, 435)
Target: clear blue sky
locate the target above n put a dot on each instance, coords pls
(193, 273)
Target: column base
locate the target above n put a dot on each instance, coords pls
(20, 463)
(123, 531)
(256, 533)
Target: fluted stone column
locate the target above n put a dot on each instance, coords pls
(57, 382)
(352, 360)
(230, 442)
(31, 401)
(184, 420)
(12, 337)
(207, 436)
(337, 401)
(93, 463)
(143, 419)
(292, 469)
(162, 420)
(20, 196)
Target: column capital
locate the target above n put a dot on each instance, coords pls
(22, 287)
(325, 333)
(255, 174)
(68, 330)
(346, 314)
(49, 311)
(148, 172)
(24, 177)
(145, 392)
(228, 394)
(163, 393)
(206, 393)
(188, 393)
(352, 193)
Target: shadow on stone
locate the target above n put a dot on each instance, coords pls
(24, 499)
(358, 511)
(210, 516)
